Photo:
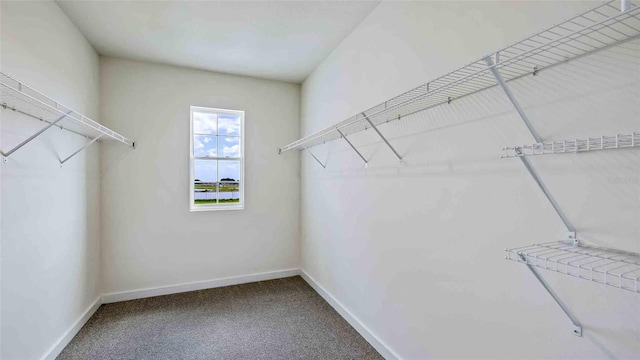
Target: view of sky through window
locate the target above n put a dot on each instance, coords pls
(205, 170)
(217, 153)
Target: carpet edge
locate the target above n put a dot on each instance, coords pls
(363, 330)
(65, 339)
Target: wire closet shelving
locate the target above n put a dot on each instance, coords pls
(599, 28)
(601, 265)
(607, 25)
(574, 146)
(18, 97)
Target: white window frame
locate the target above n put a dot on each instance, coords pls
(224, 206)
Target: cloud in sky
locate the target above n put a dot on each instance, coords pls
(197, 144)
(212, 146)
(204, 145)
(231, 151)
(204, 123)
(228, 125)
(229, 146)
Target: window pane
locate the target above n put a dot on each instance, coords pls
(229, 173)
(205, 175)
(229, 146)
(204, 123)
(228, 124)
(204, 145)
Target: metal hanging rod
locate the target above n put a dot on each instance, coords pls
(574, 146)
(619, 269)
(17, 96)
(599, 28)
(61, 127)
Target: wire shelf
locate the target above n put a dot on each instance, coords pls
(615, 268)
(16, 96)
(599, 28)
(573, 146)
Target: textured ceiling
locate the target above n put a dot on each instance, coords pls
(274, 40)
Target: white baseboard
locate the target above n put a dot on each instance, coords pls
(380, 346)
(57, 348)
(198, 285)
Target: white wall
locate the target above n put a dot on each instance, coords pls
(149, 237)
(50, 215)
(416, 251)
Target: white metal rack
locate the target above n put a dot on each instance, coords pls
(604, 26)
(601, 27)
(16, 96)
(574, 146)
(601, 265)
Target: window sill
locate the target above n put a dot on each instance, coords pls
(215, 208)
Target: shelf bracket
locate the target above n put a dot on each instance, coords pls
(382, 136)
(353, 147)
(507, 91)
(318, 160)
(571, 231)
(28, 140)
(82, 148)
(577, 327)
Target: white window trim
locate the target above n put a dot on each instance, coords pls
(216, 207)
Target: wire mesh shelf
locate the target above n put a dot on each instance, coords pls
(599, 28)
(617, 141)
(615, 268)
(16, 96)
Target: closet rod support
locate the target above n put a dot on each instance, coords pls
(28, 140)
(82, 148)
(512, 98)
(352, 146)
(577, 327)
(571, 231)
(318, 160)
(382, 136)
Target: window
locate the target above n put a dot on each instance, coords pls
(216, 159)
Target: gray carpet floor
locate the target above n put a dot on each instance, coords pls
(277, 319)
